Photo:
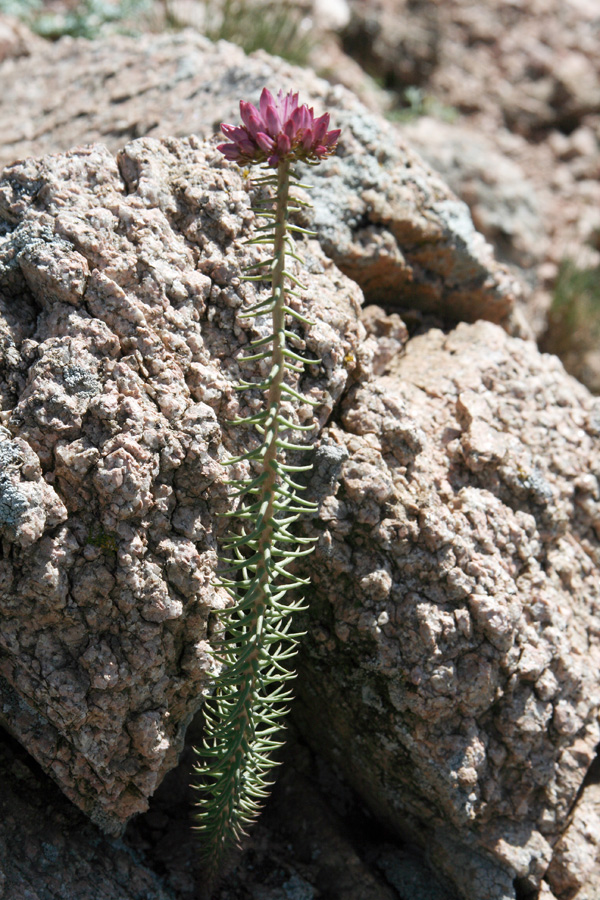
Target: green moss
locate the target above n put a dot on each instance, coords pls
(278, 28)
(88, 19)
(574, 320)
(104, 540)
(416, 104)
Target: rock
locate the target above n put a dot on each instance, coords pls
(504, 204)
(16, 40)
(530, 65)
(575, 868)
(119, 284)
(382, 216)
(49, 850)
(451, 664)
(521, 84)
(396, 41)
(452, 659)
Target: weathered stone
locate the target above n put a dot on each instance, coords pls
(505, 205)
(16, 39)
(575, 868)
(397, 42)
(121, 282)
(382, 216)
(49, 849)
(451, 666)
(453, 675)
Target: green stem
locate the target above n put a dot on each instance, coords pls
(240, 725)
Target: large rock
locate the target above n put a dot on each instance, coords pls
(49, 850)
(521, 85)
(532, 65)
(119, 286)
(451, 666)
(385, 219)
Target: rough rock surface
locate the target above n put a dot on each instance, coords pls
(451, 667)
(575, 868)
(521, 85)
(119, 286)
(384, 218)
(455, 675)
(50, 851)
(505, 205)
(532, 65)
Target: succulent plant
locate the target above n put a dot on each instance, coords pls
(243, 719)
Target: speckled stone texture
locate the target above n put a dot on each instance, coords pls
(451, 666)
(119, 292)
(384, 217)
(50, 851)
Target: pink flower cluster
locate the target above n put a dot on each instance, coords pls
(279, 130)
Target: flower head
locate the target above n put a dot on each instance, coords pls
(279, 130)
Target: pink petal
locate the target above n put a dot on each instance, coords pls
(229, 151)
(331, 138)
(300, 120)
(273, 161)
(273, 121)
(284, 144)
(289, 129)
(321, 125)
(307, 139)
(255, 124)
(308, 119)
(234, 132)
(265, 142)
(250, 117)
(266, 101)
(247, 146)
(290, 103)
(294, 121)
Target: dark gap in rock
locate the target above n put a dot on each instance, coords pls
(314, 832)
(524, 890)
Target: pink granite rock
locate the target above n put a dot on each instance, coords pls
(383, 217)
(451, 666)
(119, 284)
